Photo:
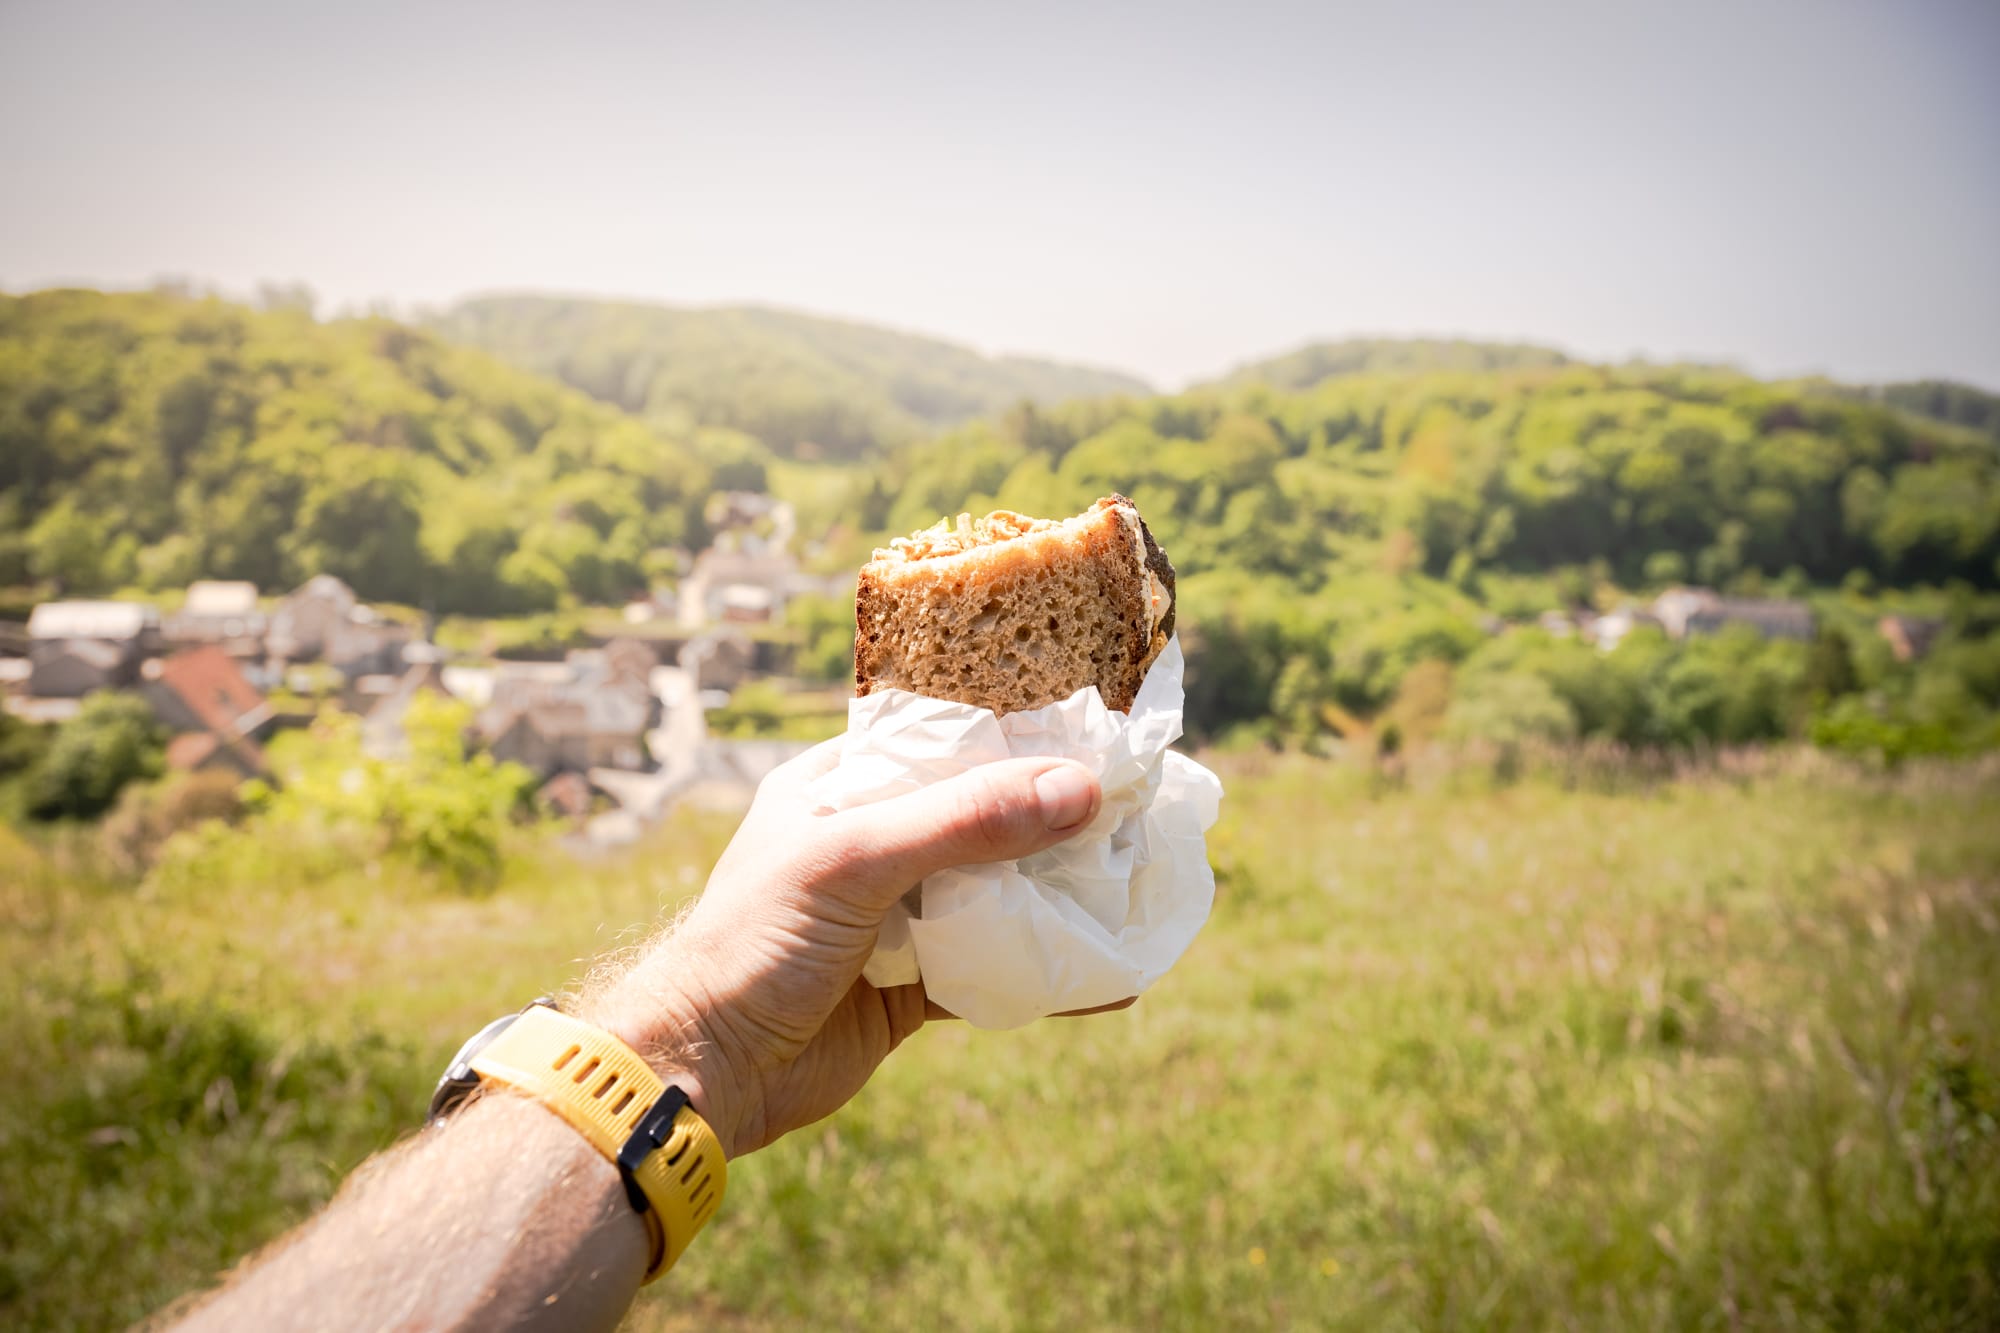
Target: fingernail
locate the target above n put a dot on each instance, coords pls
(1065, 794)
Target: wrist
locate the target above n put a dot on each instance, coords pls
(661, 1008)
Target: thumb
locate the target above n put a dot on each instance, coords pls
(995, 812)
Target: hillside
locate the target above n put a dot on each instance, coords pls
(1331, 541)
(1339, 546)
(149, 439)
(1315, 362)
(1944, 400)
(805, 386)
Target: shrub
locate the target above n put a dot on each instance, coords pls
(149, 814)
(1508, 710)
(435, 806)
(111, 742)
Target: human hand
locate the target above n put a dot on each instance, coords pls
(756, 1004)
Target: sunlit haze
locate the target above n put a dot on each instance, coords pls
(1793, 187)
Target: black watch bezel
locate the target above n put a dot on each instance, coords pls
(459, 1077)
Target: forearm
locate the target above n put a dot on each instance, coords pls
(502, 1218)
(507, 1217)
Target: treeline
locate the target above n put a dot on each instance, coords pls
(1647, 475)
(147, 439)
(804, 386)
(1307, 366)
(1942, 400)
(1334, 540)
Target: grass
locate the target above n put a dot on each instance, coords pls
(1716, 1049)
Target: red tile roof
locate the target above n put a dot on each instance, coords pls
(207, 680)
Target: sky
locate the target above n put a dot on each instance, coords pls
(1792, 186)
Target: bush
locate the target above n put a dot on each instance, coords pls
(1509, 710)
(111, 742)
(436, 807)
(1891, 734)
(148, 814)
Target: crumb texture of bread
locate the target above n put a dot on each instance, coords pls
(1014, 613)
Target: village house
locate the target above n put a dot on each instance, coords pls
(591, 711)
(1609, 630)
(221, 613)
(323, 621)
(76, 648)
(1689, 611)
(567, 796)
(1910, 637)
(740, 587)
(307, 617)
(216, 715)
(383, 735)
(721, 659)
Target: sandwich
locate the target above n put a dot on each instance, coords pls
(1012, 613)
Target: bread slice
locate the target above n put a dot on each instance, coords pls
(1012, 613)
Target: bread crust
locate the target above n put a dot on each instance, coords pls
(1016, 622)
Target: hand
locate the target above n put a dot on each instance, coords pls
(756, 1004)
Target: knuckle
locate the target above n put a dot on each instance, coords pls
(991, 819)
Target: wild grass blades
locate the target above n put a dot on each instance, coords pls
(1715, 1044)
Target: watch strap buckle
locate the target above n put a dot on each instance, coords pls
(647, 1137)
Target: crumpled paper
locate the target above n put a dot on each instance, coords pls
(1090, 921)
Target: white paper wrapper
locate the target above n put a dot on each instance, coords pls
(1088, 922)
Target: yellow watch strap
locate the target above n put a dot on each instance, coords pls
(603, 1089)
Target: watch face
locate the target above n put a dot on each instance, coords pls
(459, 1080)
(481, 1040)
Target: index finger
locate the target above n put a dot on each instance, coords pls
(801, 770)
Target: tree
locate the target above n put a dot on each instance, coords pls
(111, 741)
(1830, 672)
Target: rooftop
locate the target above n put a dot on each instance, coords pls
(216, 597)
(92, 620)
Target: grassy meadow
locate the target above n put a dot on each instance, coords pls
(1586, 1048)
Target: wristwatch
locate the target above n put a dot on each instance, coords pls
(668, 1157)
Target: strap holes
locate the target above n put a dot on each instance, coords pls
(568, 1056)
(624, 1102)
(680, 1152)
(693, 1167)
(606, 1086)
(587, 1070)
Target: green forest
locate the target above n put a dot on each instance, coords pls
(146, 440)
(1310, 365)
(804, 386)
(1352, 522)
(1348, 549)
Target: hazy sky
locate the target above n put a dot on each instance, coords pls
(1799, 186)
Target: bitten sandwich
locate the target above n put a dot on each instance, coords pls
(1012, 613)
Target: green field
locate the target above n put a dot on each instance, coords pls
(1586, 1049)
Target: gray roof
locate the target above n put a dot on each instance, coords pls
(1772, 616)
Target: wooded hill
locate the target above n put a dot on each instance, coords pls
(804, 386)
(148, 439)
(1316, 362)
(1332, 538)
